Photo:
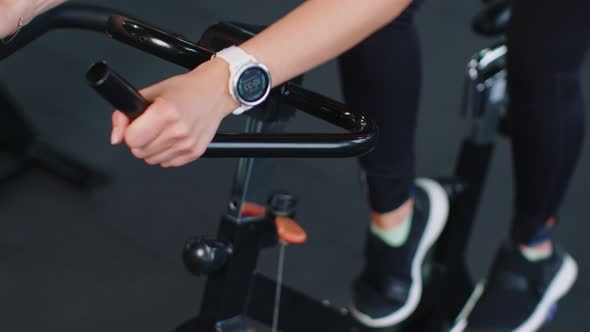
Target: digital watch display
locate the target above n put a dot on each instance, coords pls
(252, 84)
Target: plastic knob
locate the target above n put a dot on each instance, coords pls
(289, 231)
(204, 256)
(282, 204)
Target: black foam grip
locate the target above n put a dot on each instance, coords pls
(116, 90)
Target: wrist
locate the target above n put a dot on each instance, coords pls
(250, 82)
(219, 78)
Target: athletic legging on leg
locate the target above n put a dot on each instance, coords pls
(381, 77)
(547, 42)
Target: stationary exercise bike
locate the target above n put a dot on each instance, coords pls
(236, 297)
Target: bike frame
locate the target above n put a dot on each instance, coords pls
(234, 292)
(230, 299)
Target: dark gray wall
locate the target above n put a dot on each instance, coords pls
(109, 259)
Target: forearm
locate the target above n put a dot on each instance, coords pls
(188, 108)
(317, 31)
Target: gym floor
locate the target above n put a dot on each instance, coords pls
(110, 260)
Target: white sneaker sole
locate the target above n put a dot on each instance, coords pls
(439, 212)
(561, 284)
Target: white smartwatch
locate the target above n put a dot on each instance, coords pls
(249, 81)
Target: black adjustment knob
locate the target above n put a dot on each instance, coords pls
(204, 256)
(282, 204)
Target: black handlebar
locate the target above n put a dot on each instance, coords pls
(70, 16)
(114, 88)
(362, 132)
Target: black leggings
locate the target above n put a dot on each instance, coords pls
(380, 75)
(547, 42)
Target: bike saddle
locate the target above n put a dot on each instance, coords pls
(493, 19)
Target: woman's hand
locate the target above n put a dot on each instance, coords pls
(186, 112)
(11, 12)
(16, 13)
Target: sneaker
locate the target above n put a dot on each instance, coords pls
(390, 287)
(519, 295)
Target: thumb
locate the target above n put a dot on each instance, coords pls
(120, 124)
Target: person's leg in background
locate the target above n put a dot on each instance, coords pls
(381, 77)
(547, 43)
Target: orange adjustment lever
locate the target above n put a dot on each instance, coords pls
(251, 209)
(289, 231)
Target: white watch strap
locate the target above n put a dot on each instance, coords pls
(236, 58)
(241, 110)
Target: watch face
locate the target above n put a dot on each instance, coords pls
(253, 84)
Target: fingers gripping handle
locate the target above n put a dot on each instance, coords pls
(116, 90)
